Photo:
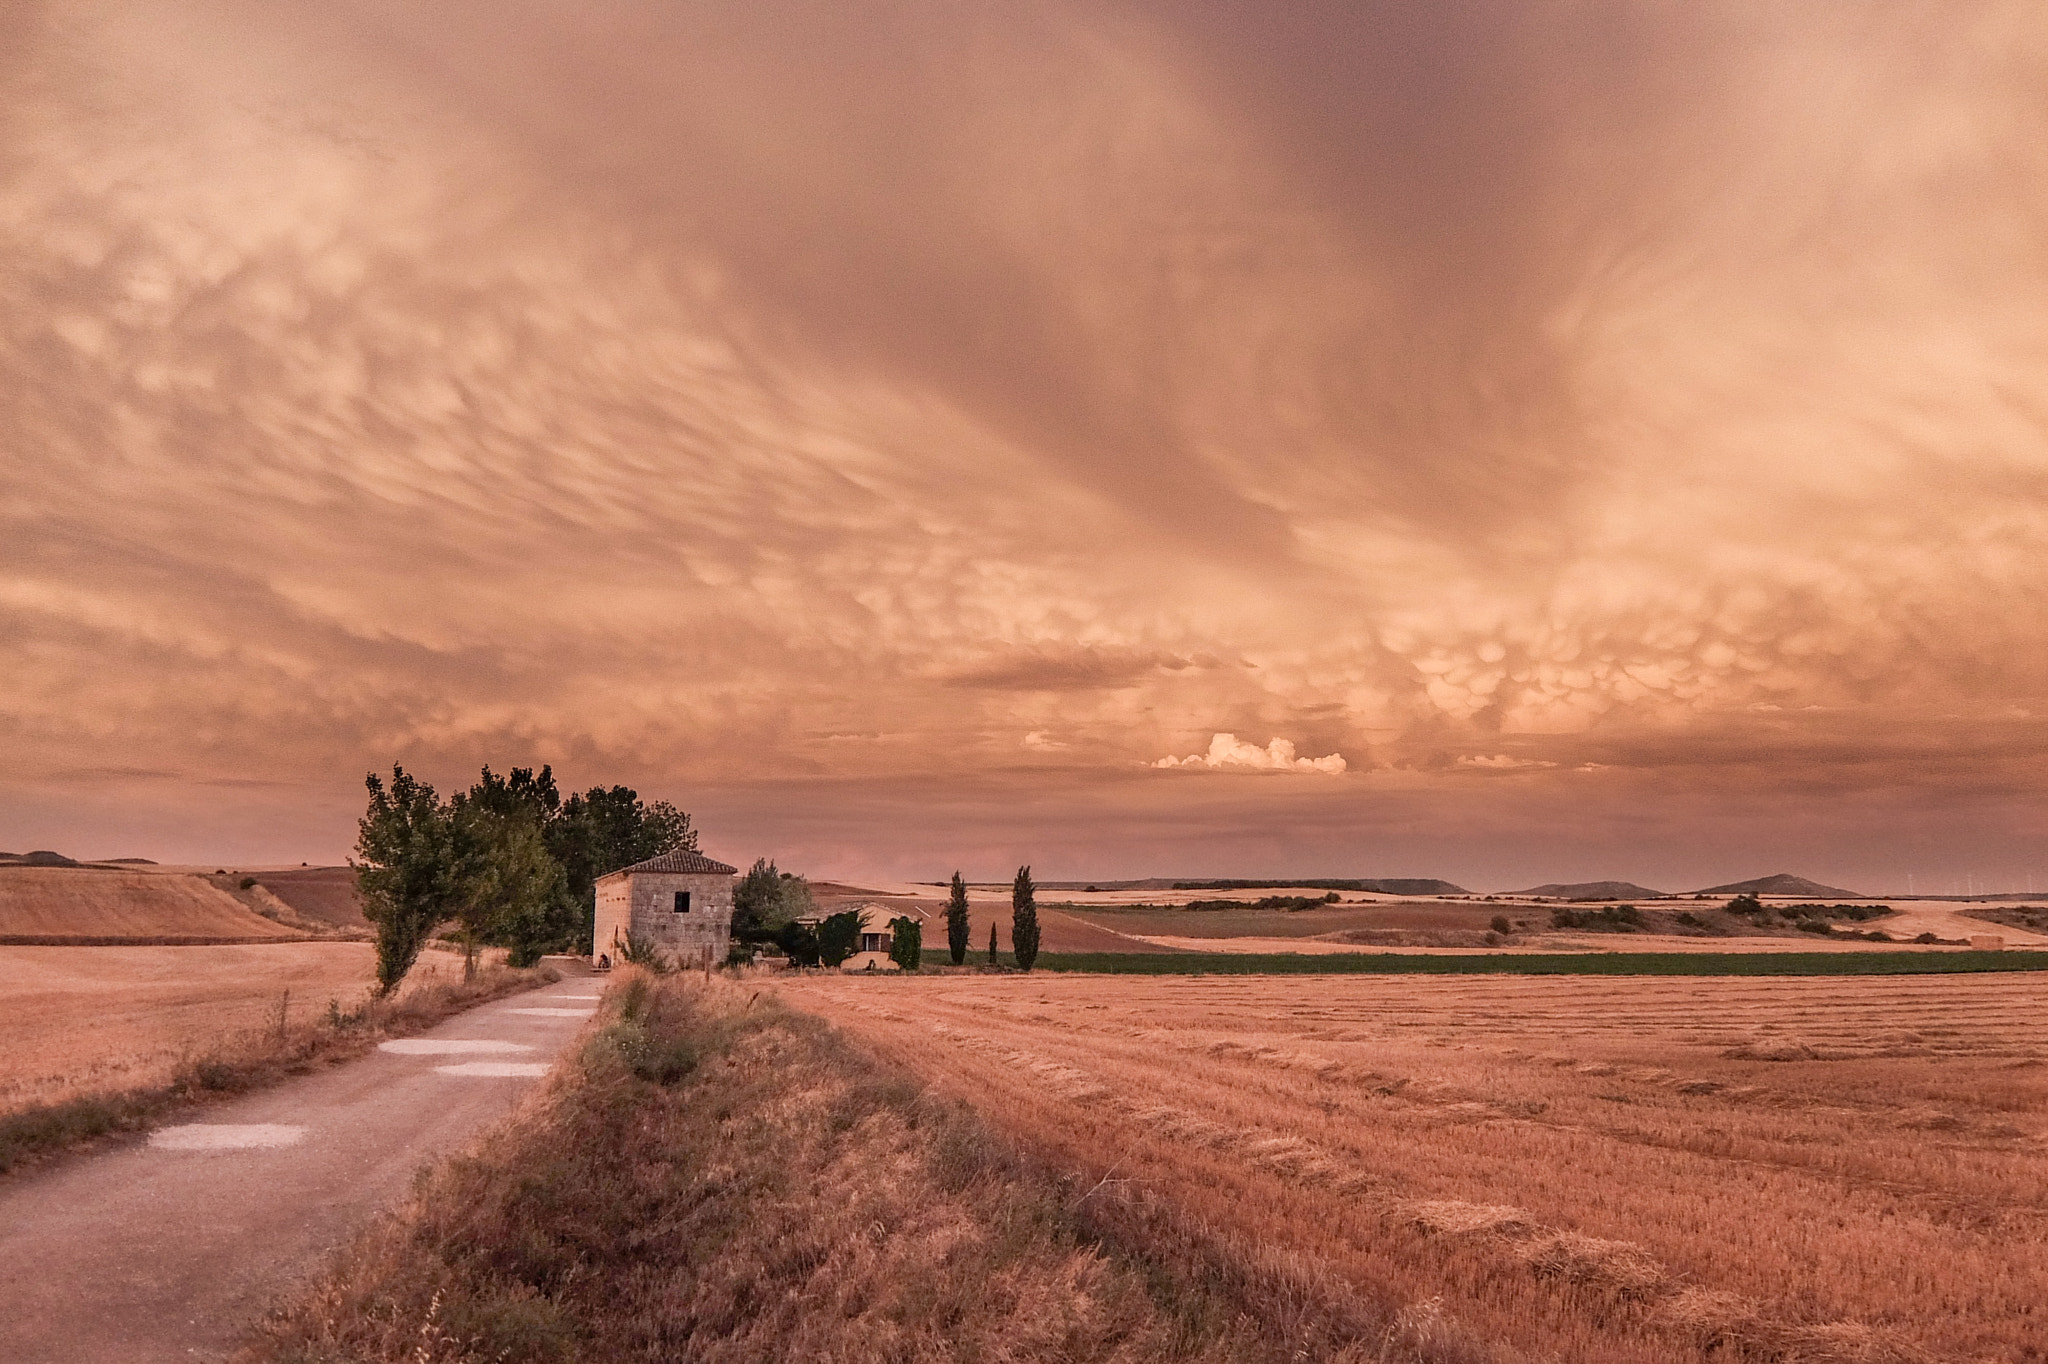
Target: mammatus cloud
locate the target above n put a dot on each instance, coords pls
(785, 407)
(1227, 750)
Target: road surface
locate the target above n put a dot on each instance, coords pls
(170, 1248)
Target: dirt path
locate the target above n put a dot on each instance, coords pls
(169, 1248)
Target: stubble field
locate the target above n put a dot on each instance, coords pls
(87, 1020)
(1520, 1168)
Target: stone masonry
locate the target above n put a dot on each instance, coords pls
(679, 903)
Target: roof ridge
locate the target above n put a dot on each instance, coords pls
(686, 861)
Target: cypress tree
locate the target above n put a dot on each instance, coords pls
(1024, 919)
(991, 942)
(956, 921)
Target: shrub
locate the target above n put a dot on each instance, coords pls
(645, 954)
(1745, 904)
(799, 942)
(247, 882)
(839, 935)
(906, 942)
(1501, 925)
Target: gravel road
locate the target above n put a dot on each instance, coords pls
(169, 1248)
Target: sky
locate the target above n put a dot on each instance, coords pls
(1504, 441)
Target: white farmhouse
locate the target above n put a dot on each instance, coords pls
(679, 904)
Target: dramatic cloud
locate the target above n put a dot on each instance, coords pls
(1621, 432)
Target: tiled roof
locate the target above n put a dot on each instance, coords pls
(682, 860)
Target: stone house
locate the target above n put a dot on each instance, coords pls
(679, 903)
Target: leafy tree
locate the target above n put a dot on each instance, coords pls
(1024, 919)
(956, 921)
(509, 888)
(405, 841)
(799, 942)
(765, 899)
(906, 942)
(839, 935)
(602, 830)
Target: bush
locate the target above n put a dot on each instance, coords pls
(799, 942)
(839, 935)
(906, 942)
(1745, 904)
(1501, 925)
(646, 955)
(247, 882)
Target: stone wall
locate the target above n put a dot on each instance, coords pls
(643, 904)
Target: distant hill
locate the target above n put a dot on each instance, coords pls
(1593, 890)
(1784, 883)
(42, 857)
(1391, 885)
(55, 903)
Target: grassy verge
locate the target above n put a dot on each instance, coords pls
(1538, 964)
(718, 1178)
(249, 1062)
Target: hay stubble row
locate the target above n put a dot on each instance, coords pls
(1587, 1169)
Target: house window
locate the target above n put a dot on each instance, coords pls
(682, 902)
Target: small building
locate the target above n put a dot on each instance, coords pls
(679, 904)
(879, 930)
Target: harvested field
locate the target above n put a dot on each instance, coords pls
(1594, 1170)
(324, 895)
(85, 903)
(83, 1020)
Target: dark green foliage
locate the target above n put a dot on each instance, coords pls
(1745, 904)
(1285, 902)
(765, 899)
(1547, 964)
(1023, 919)
(799, 942)
(991, 942)
(509, 888)
(1609, 919)
(906, 943)
(956, 921)
(839, 935)
(1501, 925)
(600, 831)
(406, 841)
(246, 882)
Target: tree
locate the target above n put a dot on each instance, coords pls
(839, 935)
(509, 888)
(906, 942)
(406, 842)
(602, 830)
(765, 899)
(991, 942)
(799, 942)
(956, 921)
(1024, 919)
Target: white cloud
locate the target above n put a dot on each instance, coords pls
(1042, 740)
(1499, 762)
(1227, 750)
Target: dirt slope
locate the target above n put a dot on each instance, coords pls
(326, 894)
(43, 901)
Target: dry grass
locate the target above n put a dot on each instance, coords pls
(195, 1039)
(720, 1179)
(50, 901)
(84, 1019)
(1595, 1170)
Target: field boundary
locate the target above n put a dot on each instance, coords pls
(1544, 964)
(162, 939)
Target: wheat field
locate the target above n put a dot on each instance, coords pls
(1539, 1168)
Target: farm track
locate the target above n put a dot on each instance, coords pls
(1592, 1169)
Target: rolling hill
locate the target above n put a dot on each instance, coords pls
(1593, 890)
(73, 903)
(1784, 883)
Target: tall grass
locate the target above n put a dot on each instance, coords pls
(719, 1178)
